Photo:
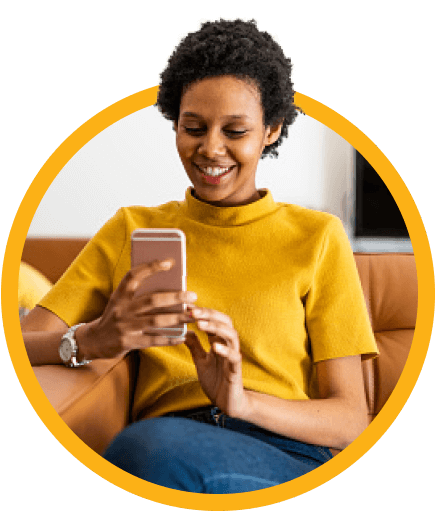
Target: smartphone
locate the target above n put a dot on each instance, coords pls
(148, 245)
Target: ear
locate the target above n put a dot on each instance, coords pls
(175, 126)
(273, 133)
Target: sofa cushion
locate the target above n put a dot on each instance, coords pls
(390, 286)
(94, 400)
(32, 286)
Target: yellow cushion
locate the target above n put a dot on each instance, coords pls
(32, 286)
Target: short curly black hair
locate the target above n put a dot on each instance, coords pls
(239, 49)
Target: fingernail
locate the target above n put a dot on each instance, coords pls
(191, 296)
(219, 348)
(166, 264)
(192, 311)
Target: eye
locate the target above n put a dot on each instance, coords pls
(197, 132)
(193, 131)
(234, 134)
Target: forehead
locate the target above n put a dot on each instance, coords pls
(221, 97)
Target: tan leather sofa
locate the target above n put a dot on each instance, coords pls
(95, 401)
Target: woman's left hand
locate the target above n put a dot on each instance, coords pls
(220, 369)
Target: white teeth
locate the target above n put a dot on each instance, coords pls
(214, 171)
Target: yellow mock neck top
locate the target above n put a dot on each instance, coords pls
(283, 273)
(227, 216)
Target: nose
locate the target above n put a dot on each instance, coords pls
(212, 144)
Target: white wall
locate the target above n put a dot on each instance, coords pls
(135, 161)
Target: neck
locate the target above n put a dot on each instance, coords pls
(254, 197)
(237, 215)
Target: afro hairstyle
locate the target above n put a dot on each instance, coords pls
(236, 48)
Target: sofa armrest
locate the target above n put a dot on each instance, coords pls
(94, 400)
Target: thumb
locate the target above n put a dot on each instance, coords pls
(194, 345)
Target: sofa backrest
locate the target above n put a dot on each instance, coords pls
(389, 283)
(390, 286)
(52, 256)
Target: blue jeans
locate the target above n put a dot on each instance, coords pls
(211, 453)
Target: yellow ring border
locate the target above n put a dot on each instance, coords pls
(285, 491)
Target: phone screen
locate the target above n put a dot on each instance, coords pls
(148, 245)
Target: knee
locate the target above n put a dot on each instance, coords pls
(151, 450)
(134, 446)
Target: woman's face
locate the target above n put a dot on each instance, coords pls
(220, 139)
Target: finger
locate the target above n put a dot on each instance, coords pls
(221, 330)
(166, 299)
(141, 341)
(163, 341)
(210, 314)
(165, 320)
(232, 357)
(146, 306)
(134, 277)
(194, 346)
(140, 324)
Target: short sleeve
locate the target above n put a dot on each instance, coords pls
(81, 294)
(336, 316)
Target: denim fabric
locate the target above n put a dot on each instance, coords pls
(212, 453)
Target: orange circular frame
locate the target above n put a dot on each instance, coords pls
(195, 501)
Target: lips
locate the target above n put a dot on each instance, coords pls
(213, 174)
(213, 169)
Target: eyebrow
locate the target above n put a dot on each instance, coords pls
(198, 116)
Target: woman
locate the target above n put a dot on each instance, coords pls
(269, 374)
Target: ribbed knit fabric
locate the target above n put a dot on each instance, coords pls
(285, 275)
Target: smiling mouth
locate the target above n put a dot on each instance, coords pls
(214, 171)
(213, 174)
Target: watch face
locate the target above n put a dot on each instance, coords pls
(65, 350)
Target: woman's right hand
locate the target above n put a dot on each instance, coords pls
(126, 321)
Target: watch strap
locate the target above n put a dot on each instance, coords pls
(71, 336)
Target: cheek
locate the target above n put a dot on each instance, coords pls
(250, 151)
(184, 147)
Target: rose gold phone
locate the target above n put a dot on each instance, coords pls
(148, 245)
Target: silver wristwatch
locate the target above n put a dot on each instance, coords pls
(68, 349)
